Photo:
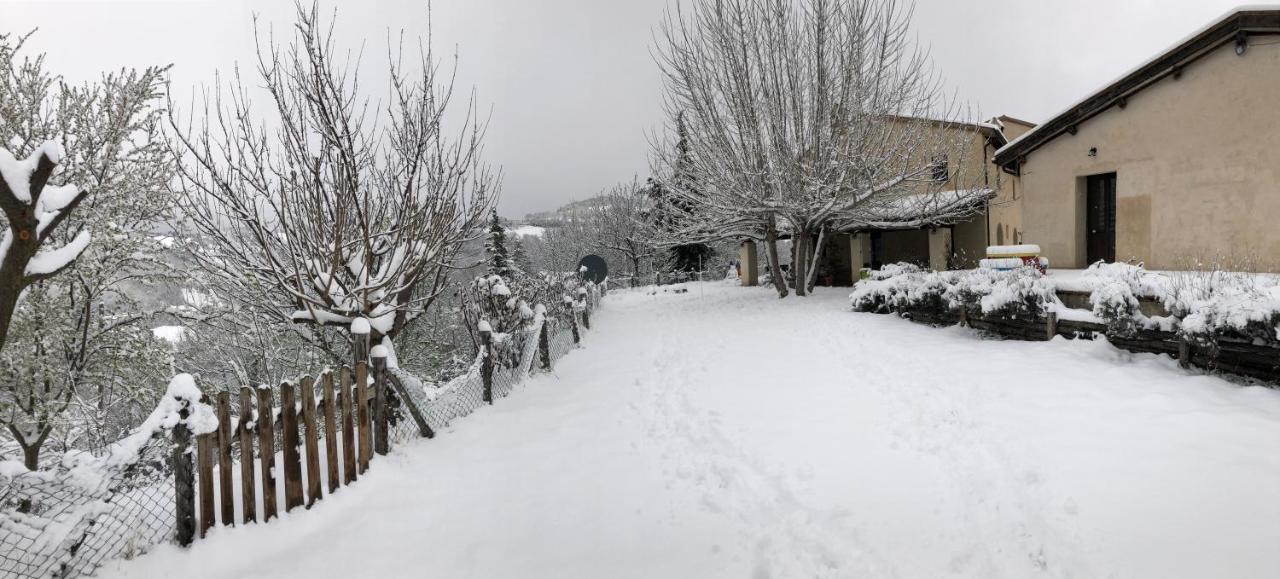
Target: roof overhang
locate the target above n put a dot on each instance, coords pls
(1236, 27)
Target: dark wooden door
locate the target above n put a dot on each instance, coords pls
(1100, 218)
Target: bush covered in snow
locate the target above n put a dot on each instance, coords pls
(1116, 287)
(1017, 293)
(1214, 304)
(512, 307)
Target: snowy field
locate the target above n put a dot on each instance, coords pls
(725, 433)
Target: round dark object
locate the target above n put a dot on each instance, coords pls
(597, 269)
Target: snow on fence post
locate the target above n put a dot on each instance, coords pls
(486, 360)
(183, 415)
(380, 442)
(183, 481)
(360, 340)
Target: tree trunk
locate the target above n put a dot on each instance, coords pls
(800, 260)
(771, 252)
(30, 449)
(815, 257)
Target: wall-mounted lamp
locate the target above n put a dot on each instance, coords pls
(1093, 151)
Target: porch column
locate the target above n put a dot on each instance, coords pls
(859, 252)
(939, 248)
(749, 268)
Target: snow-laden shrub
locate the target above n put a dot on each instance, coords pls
(1213, 304)
(1116, 287)
(894, 270)
(899, 286)
(1016, 293)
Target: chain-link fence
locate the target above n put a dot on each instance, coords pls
(668, 278)
(66, 521)
(441, 404)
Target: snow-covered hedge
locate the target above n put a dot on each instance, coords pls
(1016, 293)
(1203, 306)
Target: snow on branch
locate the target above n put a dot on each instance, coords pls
(47, 263)
(33, 211)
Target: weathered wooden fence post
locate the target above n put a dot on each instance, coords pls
(348, 428)
(360, 341)
(248, 494)
(544, 346)
(204, 476)
(330, 430)
(380, 443)
(364, 422)
(225, 496)
(424, 428)
(486, 362)
(311, 440)
(1051, 325)
(184, 492)
(1184, 353)
(289, 438)
(267, 449)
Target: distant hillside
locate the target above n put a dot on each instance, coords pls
(557, 217)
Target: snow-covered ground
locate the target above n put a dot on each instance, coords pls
(725, 433)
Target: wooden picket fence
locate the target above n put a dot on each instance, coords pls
(349, 420)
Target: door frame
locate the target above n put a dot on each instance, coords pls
(1101, 187)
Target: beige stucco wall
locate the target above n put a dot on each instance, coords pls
(1005, 215)
(1196, 161)
(971, 167)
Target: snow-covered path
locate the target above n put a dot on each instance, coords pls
(725, 433)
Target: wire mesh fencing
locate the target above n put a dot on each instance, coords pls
(65, 522)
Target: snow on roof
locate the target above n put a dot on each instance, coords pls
(1037, 129)
(917, 209)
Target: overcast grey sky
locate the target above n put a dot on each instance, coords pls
(572, 86)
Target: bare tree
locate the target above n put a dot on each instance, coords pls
(623, 223)
(349, 209)
(802, 115)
